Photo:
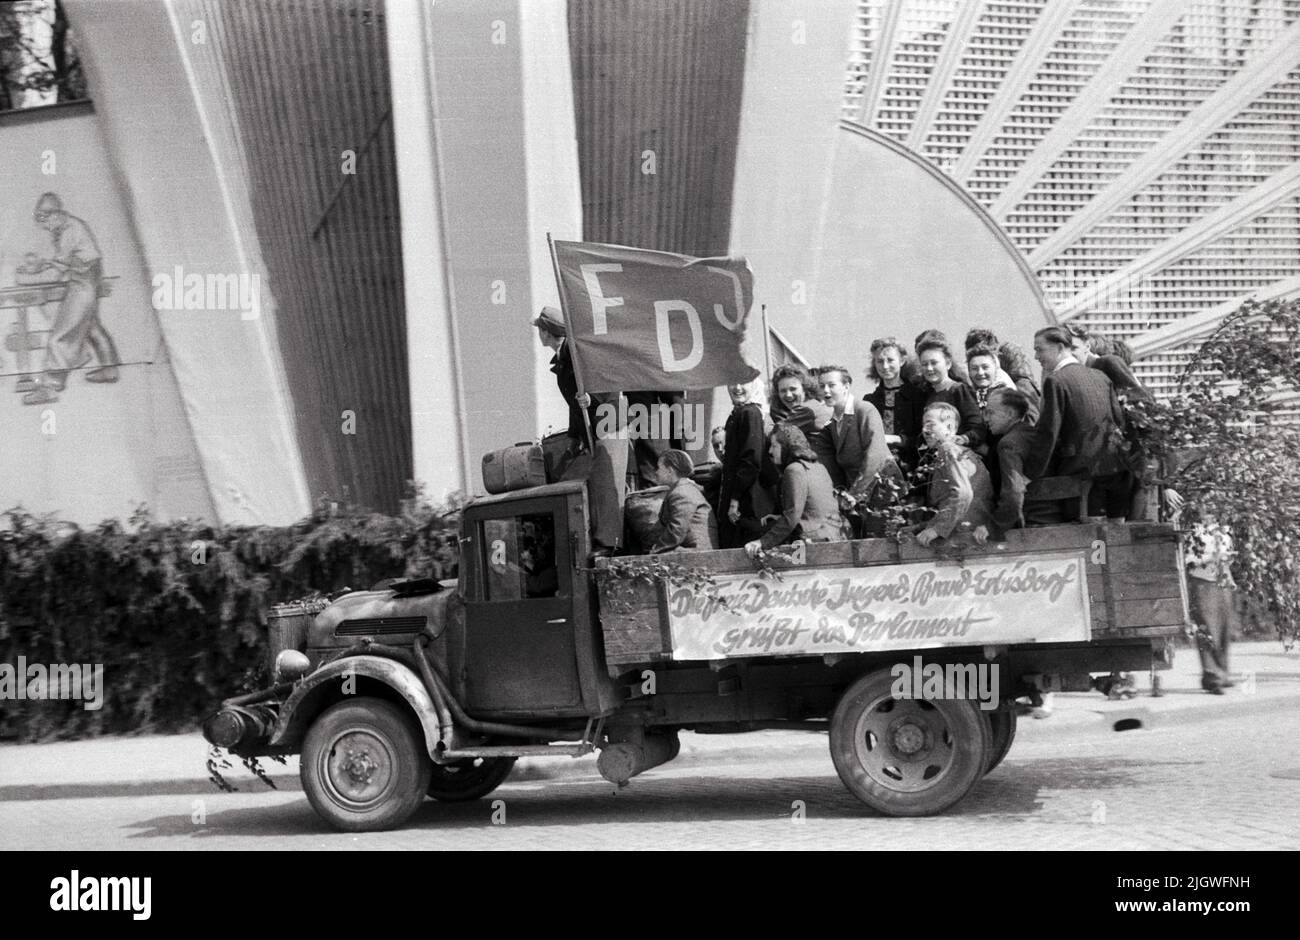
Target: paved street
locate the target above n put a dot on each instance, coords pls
(1202, 772)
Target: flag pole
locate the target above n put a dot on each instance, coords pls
(568, 328)
(767, 345)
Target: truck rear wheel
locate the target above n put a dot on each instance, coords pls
(463, 780)
(906, 757)
(363, 765)
(1002, 728)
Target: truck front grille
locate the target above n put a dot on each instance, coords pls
(380, 626)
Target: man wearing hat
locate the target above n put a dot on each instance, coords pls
(645, 450)
(553, 334)
(608, 477)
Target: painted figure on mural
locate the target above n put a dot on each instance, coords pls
(76, 333)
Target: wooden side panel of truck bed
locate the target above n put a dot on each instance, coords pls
(1135, 582)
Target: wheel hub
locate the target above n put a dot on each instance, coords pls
(359, 766)
(908, 739)
(903, 745)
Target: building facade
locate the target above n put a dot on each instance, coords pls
(322, 223)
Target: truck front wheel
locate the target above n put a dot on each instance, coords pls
(363, 765)
(907, 757)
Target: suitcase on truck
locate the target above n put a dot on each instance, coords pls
(514, 468)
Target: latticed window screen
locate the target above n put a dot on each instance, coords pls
(922, 30)
(1055, 58)
(866, 33)
(1078, 52)
(997, 38)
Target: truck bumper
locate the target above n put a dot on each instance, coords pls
(244, 724)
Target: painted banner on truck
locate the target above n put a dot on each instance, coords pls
(1043, 599)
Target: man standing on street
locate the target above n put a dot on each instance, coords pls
(1209, 552)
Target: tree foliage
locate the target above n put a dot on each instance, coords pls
(25, 65)
(1229, 443)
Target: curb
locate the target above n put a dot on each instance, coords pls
(1156, 716)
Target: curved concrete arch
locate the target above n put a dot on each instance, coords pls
(902, 248)
(966, 198)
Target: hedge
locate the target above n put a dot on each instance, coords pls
(176, 611)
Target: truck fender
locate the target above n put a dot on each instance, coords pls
(306, 701)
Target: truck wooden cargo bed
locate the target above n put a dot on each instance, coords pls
(875, 595)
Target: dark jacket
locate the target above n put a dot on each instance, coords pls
(904, 418)
(1075, 434)
(809, 416)
(1120, 375)
(962, 397)
(853, 450)
(686, 520)
(1013, 450)
(567, 380)
(742, 457)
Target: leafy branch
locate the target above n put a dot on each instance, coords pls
(1228, 442)
(620, 577)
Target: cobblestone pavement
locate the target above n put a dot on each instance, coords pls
(1230, 782)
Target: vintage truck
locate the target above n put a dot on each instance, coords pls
(910, 658)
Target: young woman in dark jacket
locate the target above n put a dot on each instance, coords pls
(899, 402)
(936, 360)
(742, 459)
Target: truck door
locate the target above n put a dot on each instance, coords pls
(520, 648)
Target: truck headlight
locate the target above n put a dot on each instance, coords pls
(291, 665)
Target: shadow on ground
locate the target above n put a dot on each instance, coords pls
(198, 786)
(1015, 789)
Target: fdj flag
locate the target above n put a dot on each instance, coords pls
(651, 320)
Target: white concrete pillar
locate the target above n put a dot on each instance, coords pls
(794, 84)
(225, 360)
(487, 165)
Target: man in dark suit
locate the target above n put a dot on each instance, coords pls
(1079, 427)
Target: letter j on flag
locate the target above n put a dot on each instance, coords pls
(653, 320)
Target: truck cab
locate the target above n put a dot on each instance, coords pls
(529, 647)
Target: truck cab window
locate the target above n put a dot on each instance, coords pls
(519, 558)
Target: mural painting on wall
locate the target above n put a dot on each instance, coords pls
(54, 302)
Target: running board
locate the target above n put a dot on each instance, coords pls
(519, 750)
(591, 736)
